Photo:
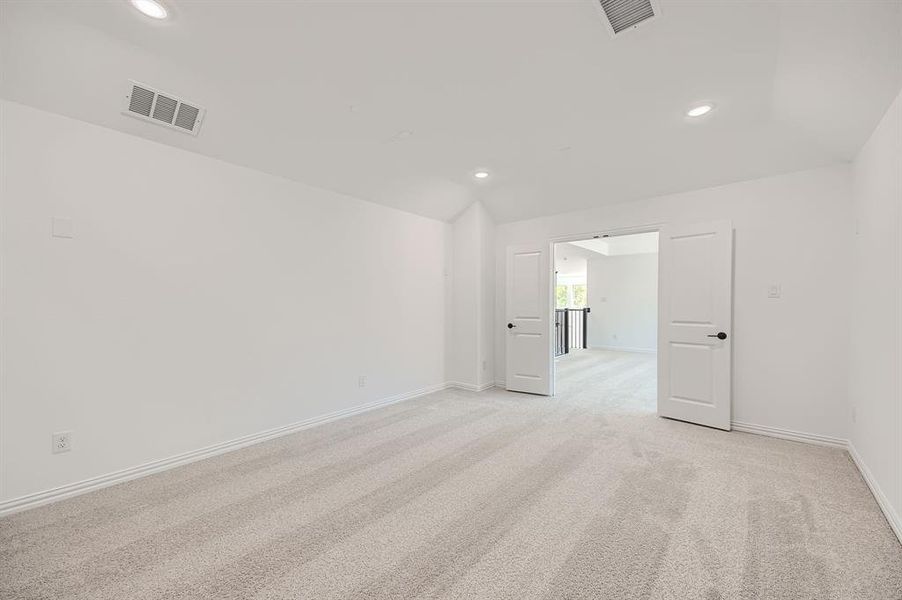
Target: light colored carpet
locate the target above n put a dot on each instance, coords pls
(464, 495)
(609, 381)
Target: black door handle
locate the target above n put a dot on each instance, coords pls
(510, 325)
(720, 335)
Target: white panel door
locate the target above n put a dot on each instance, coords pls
(694, 323)
(528, 365)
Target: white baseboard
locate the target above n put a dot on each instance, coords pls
(470, 386)
(789, 434)
(892, 517)
(95, 483)
(625, 349)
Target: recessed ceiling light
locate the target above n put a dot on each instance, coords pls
(481, 174)
(151, 8)
(701, 109)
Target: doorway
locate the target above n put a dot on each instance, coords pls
(606, 320)
(694, 319)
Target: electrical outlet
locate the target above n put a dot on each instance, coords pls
(361, 381)
(774, 290)
(62, 442)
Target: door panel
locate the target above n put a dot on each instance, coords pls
(691, 258)
(694, 365)
(691, 372)
(528, 365)
(527, 278)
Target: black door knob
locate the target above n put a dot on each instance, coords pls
(719, 335)
(510, 325)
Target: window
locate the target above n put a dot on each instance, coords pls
(570, 296)
(578, 296)
(561, 296)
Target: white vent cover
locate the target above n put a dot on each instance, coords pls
(149, 104)
(623, 15)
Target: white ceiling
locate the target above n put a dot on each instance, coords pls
(571, 261)
(563, 115)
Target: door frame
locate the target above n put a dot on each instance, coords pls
(612, 232)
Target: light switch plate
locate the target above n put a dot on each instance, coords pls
(61, 227)
(774, 290)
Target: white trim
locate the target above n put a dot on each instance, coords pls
(625, 349)
(470, 387)
(892, 517)
(791, 435)
(629, 230)
(82, 487)
(95, 483)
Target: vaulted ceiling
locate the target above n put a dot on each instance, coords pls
(400, 102)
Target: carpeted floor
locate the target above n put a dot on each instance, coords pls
(622, 382)
(465, 495)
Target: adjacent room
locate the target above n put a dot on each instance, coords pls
(606, 319)
(585, 299)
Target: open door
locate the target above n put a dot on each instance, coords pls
(694, 323)
(528, 365)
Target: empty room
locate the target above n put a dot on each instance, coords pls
(595, 299)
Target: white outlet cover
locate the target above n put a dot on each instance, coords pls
(774, 290)
(61, 442)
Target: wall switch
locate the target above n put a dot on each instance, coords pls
(62, 441)
(61, 227)
(774, 290)
(361, 381)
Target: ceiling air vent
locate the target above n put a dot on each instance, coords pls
(148, 104)
(623, 15)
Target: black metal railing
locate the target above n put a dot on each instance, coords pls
(569, 329)
(561, 335)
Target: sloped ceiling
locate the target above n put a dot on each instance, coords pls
(400, 102)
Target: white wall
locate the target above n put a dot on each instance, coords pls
(623, 298)
(471, 339)
(198, 301)
(486, 364)
(875, 390)
(790, 355)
